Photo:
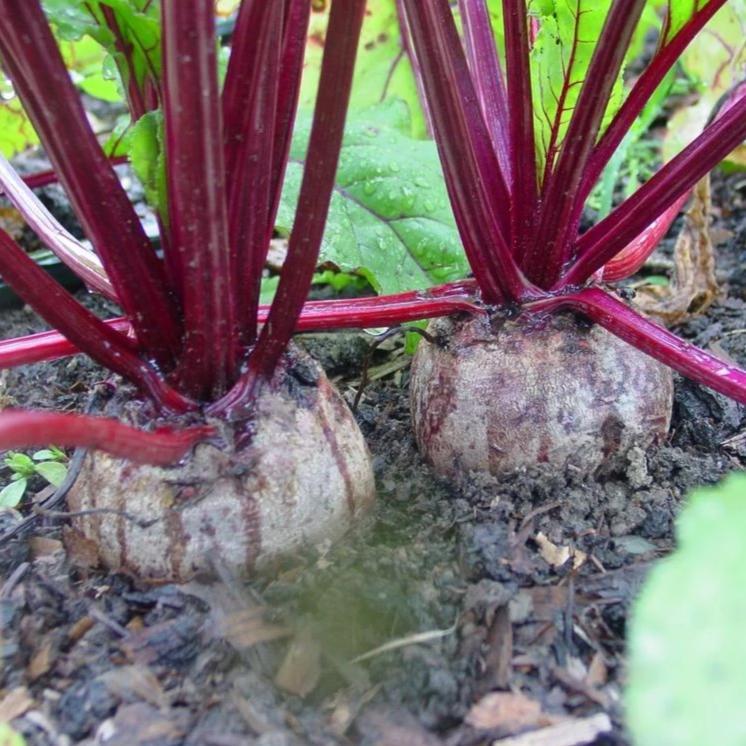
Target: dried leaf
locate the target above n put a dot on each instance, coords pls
(693, 287)
(15, 703)
(80, 628)
(301, 669)
(141, 723)
(82, 552)
(42, 660)
(507, 711)
(569, 733)
(557, 556)
(247, 627)
(41, 546)
(597, 672)
(133, 683)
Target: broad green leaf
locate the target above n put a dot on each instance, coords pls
(43, 455)
(86, 61)
(16, 131)
(137, 21)
(687, 678)
(145, 141)
(562, 52)
(13, 493)
(678, 13)
(382, 70)
(53, 471)
(390, 219)
(716, 60)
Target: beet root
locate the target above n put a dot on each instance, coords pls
(302, 479)
(497, 395)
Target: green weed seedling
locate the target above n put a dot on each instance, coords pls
(49, 464)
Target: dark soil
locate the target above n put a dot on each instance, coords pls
(476, 569)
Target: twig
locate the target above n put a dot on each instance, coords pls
(14, 579)
(403, 642)
(140, 522)
(99, 616)
(380, 339)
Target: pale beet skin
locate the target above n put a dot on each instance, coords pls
(492, 394)
(302, 476)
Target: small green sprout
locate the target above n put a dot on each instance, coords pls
(9, 737)
(48, 463)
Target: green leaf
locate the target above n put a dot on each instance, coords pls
(49, 454)
(568, 32)
(20, 463)
(716, 60)
(13, 493)
(679, 12)
(687, 678)
(146, 152)
(16, 131)
(57, 454)
(390, 219)
(137, 20)
(43, 455)
(86, 60)
(9, 737)
(53, 471)
(382, 70)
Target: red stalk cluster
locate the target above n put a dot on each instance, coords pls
(524, 247)
(193, 334)
(194, 313)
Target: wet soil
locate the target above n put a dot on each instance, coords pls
(449, 595)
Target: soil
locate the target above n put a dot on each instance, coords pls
(456, 592)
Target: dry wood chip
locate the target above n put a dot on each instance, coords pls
(141, 723)
(15, 703)
(250, 714)
(247, 627)
(569, 733)
(82, 552)
(80, 627)
(507, 711)
(133, 683)
(557, 556)
(301, 669)
(278, 251)
(499, 659)
(136, 624)
(42, 660)
(597, 672)
(41, 546)
(347, 706)
(393, 727)
(167, 643)
(11, 221)
(578, 684)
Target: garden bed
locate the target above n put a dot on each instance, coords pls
(520, 584)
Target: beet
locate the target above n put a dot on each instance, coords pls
(302, 477)
(492, 395)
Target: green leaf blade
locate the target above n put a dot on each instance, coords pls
(12, 494)
(687, 679)
(390, 219)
